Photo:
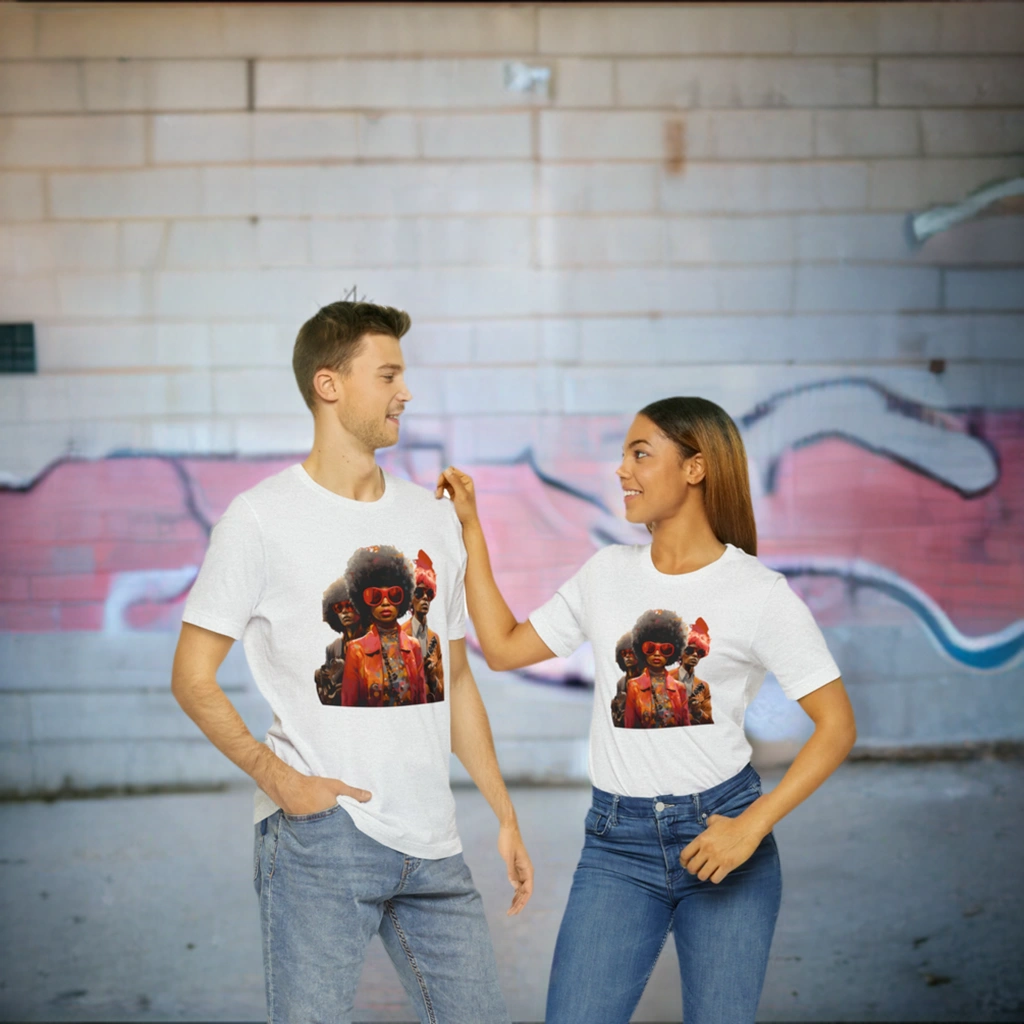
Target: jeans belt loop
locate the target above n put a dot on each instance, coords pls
(615, 809)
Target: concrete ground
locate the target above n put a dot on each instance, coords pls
(904, 900)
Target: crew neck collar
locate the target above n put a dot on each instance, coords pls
(697, 574)
(351, 504)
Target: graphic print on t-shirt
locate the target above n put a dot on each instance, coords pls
(652, 694)
(381, 658)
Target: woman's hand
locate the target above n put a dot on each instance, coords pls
(460, 487)
(721, 848)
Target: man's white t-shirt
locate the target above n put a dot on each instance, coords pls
(678, 725)
(276, 551)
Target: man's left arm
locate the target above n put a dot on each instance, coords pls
(473, 745)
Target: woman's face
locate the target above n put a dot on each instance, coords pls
(655, 661)
(385, 613)
(652, 474)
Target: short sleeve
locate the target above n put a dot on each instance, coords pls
(456, 606)
(789, 644)
(559, 623)
(230, 581)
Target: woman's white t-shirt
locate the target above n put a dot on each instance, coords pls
(678, 726)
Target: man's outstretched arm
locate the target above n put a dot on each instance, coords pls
(473, 745)
(194, 685)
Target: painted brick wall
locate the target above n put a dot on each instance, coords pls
(711, 199)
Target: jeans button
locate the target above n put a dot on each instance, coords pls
(659, 807)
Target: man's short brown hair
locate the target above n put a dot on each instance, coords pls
(330, 339)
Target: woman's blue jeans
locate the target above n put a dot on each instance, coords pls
(629, 892)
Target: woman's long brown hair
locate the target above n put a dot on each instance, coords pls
(697, 425)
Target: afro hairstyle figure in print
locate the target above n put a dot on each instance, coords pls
(622, 648)
(379, 566)
(660, 627)
(337, 593)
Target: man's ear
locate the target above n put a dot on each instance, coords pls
(325, 384)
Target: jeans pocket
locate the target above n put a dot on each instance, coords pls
(736, 803)
(298, 819)
(597, 822)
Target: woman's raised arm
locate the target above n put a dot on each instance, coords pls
(506, 643)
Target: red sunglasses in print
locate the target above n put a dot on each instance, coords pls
(374, 596)
(666, 650)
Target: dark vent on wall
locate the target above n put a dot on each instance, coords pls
(17, 348)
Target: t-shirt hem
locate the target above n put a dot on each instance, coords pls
(264, 807)
(426, 851)
(215, 625)
(811, 683)
(548, 637)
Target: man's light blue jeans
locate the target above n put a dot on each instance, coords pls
(325, 889)
(629, 892)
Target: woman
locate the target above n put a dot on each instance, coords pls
(679, 834)
(655, 699)
(384, 667)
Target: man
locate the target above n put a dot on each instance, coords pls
(355, 820)
(698, 693)
(625, 658)
(340, 614)
(416, 627)
(384, 668)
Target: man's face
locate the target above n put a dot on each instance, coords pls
(691, 657)
(346, 612)
(629, 658)
(371, 394)
(421, 598)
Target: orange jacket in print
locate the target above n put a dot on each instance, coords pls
(640, 709)
(365, 683)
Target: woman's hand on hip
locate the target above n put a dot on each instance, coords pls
(723, 846)
(460, 488)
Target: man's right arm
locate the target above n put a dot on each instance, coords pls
(194, 684)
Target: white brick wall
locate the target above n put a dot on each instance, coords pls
(164, 84)
(708, 135)
(98, 141)
(587, 29)
(182, 185)
(21, 196)
(951, 81)
(851, 133)
(689, 161)
(972, 132)
(745, 82)
(27, 87)
(384, 84)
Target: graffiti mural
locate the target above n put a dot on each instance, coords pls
(860, 494)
